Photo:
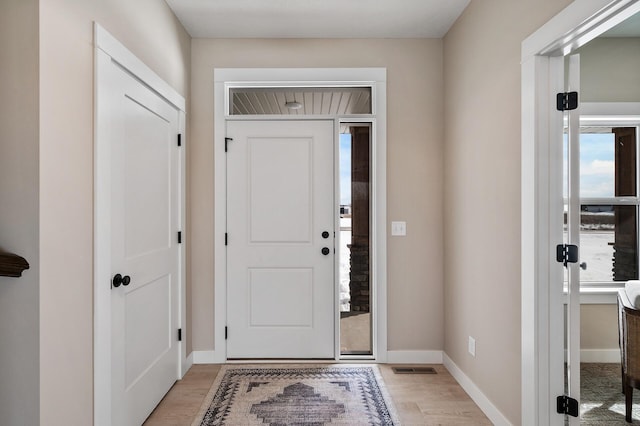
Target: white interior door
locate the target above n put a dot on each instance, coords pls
(280, 253)
(144, 248)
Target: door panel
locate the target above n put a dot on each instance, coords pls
(270, 291)
(147, 174)
(280, 176)
(148, 326)
(280, 285)
(144, 225)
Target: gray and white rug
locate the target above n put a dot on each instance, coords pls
(601, 398)
(297, 395)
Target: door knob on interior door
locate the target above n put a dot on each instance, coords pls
(325, 250)
(120, 280)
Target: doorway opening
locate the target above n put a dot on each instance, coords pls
(354, 100)
(543, 71)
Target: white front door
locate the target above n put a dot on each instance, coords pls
(280, 253)
(144, 247)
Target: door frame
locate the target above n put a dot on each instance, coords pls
(375, 78)
(108, 49)
(542, 76)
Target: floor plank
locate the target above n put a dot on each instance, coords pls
(420, 399)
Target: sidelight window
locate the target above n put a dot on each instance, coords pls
(355, 240)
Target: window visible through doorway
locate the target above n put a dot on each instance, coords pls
(609, 205)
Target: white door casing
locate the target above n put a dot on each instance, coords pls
(139, 197)
(224, 78)
(542, 77)
(280, 285)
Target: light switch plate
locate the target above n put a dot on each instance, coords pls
(399, 229)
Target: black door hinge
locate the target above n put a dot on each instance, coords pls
(226, 239)
(567, 405)
(179, 237)
(179, 139)
(226, 143)
(226, 332)
(567, 101)
(566, 253)
(179, 335)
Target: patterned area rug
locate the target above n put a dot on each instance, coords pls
(297, 395)
(601, 398)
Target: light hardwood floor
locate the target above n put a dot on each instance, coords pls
(420, 399)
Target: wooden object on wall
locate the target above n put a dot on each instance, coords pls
(12, 265)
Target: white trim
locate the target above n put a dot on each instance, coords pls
(299, 76)
(206, 357)
(375, 77)
(536, 266)
(597, 296)
(106, 50)
(414, 357)
(188, 363)
(102, 251)
(608, 109)
(607, 356)
(183, 362)
(577, 24)
(119, 53)
(611, 356)
(481, 400)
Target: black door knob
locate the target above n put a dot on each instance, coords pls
(325, 234)
(325, 250)
(120, 280)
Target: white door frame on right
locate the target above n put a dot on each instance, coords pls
(542, 355)
(310, 77)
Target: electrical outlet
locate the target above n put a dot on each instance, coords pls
(399, 229)
(472, 346)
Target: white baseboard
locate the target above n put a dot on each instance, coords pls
(205, 357)
(393, 357)
(186, 364)
(414, 357)
(487, 407)
(600, 355)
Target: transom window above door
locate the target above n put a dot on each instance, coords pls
(300, 100)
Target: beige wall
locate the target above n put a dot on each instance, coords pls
(149, 30)
(609, 70)
(414, 140)
(599, 327)
(482, 192)
(19, 368)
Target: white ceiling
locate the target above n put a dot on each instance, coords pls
(317, 18)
